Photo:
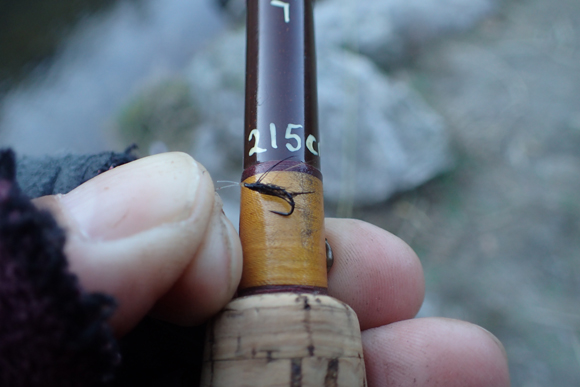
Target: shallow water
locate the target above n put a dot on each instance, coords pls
(108, 58)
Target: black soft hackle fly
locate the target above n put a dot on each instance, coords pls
(275, 190)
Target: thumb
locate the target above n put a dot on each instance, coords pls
(152, 234)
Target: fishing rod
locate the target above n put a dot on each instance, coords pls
(282, 329)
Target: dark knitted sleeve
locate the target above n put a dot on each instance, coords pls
(49, 175)
(52, 333)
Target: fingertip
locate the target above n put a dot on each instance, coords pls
(433, 352)
(375, 272)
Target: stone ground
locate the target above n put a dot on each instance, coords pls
(499, 236)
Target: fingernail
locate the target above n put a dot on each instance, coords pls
(234, 249)
(230, 240)
(226, 244)
(135, 197)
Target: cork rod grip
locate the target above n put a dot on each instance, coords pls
(283, 329)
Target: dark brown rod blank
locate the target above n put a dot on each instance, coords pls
(281, 116)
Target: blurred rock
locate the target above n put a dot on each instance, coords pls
(377, 136)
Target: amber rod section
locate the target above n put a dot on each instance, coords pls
(282, 216)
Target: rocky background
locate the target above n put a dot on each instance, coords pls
(499, 236)
(454, 124)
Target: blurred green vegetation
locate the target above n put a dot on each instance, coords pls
(161, 115)
(30, 31)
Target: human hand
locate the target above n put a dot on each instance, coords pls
(152, 234)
